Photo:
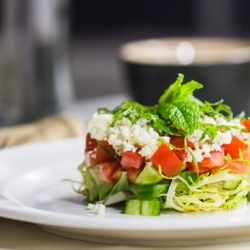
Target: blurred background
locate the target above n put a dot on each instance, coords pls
(54, 52)
(100, 27)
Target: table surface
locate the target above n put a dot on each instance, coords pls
(22, 235)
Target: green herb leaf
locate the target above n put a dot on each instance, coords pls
(184, 115)
(171, 92)
(215, 109)
(179, 92)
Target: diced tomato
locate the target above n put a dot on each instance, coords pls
(216, 170)
(234, 147)
(191, 167)
(131, 160)
(90, 143)
(238, 167)
(90, 158)
(246, 154)
(117, 174)
(167, 159)
(109, 171)
(234, 167)
(215, 160)
(133, 173)
(103, 156)
(246, 123)
(178, 142)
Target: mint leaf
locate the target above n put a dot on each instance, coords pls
(184, 115)
(170, 92)
(215, 109)
(179, 92)
(188, 88)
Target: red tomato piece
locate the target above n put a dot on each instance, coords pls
(108, 171)
(117, 174)
(133, 173)
(90, 159)
(101, 155)
(246, 123)
(167, 159)
(234, 147)
(191, 167)
(216, 160)
(131, 160)
(90, 143)
(238, 167)
(178, 142)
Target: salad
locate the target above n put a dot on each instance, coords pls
(181, 154)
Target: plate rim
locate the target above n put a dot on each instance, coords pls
(37, 216)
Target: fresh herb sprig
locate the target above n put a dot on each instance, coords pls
(178, 112)
(135, 111)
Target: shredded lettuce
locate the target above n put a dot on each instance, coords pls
(206, 193)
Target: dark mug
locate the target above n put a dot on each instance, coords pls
(222, 65)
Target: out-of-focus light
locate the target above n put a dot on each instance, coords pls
(185, 53)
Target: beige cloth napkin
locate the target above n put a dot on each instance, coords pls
(62, 125)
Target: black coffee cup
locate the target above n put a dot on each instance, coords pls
(222, 65)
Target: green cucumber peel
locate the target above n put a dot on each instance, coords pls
(121, 185)
(144, 208)
(149, 192)
(149, 175)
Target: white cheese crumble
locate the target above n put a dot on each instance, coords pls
(96, 208)
(99, 125)
(125, 136)
(202, 148)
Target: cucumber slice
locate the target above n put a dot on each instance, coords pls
(190, 177)
(133, 207)
(151, 208)
(231, 184)
(145, 208)
(116, 198)
(133, 188)
(149, 175)
(149, 192)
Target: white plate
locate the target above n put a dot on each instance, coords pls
(37, 194)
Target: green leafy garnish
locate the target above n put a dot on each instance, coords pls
(184, 115)
(179, 92)
(178, 112)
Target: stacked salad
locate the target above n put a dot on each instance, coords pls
(181, 154)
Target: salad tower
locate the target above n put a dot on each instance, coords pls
(181, 154)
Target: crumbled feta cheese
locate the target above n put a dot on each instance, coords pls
(99, 125)
(125, 136)
(203, 147)
(96, 208)
(90, 206)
